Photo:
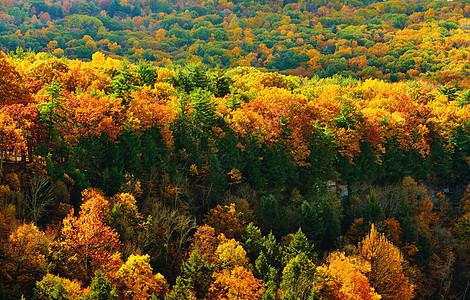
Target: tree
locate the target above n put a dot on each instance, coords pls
(298, 244)
(269, 263)
(11, 89)
(206, 242)
(196, 274)
(39, 196)
(58, 288)
(25, 261)
(126, 220)
(230, 254)
(101, 289)
(310, 221)
(136, 281)
(349, 274)
(237, 283)
(298, 279)
(226, 220)
(388, 267)
(51, 113)
(252, 241)
(12, 136)
(123, 85)
(87, 238)
(181, 291)
(167, 234)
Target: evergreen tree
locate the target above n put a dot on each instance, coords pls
(101, 289)
(197, 274)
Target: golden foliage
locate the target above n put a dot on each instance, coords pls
(388, 272)
(237, 283)
(136, 281)
(348, 273)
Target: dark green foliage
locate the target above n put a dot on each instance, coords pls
(269, 263)
(298, 278)
(204, 115)
(197, 273)
(190, 78)
(322, 157)
(460, 141)
(51, 112)
(450, 91)
(464, 99)
(331, 223)
(288, 59)
(310, 221)
(221, 84)
(273, 216)
(160, 6)
(252, 241)
(372, 212)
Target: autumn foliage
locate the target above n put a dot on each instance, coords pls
(148, 180)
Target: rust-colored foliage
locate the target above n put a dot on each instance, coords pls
(393, 230)
(226, 220)
(87, 236)
(206, 242)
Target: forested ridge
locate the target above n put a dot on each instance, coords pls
(240, 150)
(393, 40)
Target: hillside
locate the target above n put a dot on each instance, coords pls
(320, 151)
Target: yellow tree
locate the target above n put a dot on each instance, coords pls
(11, 88)
(136, 281)
(348, 274)
(53, 287)
(230, 253)
(388, 271)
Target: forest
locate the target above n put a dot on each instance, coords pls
(240, 150)
(392, 40)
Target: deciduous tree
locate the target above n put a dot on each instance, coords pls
(388, 267)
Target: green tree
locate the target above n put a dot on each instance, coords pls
(310, 221)
(197, 274)
(101, 289)
(298, 279)
(298, 244)
(123, 84)
(51, 111)
(147, 73)
(181, 291)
